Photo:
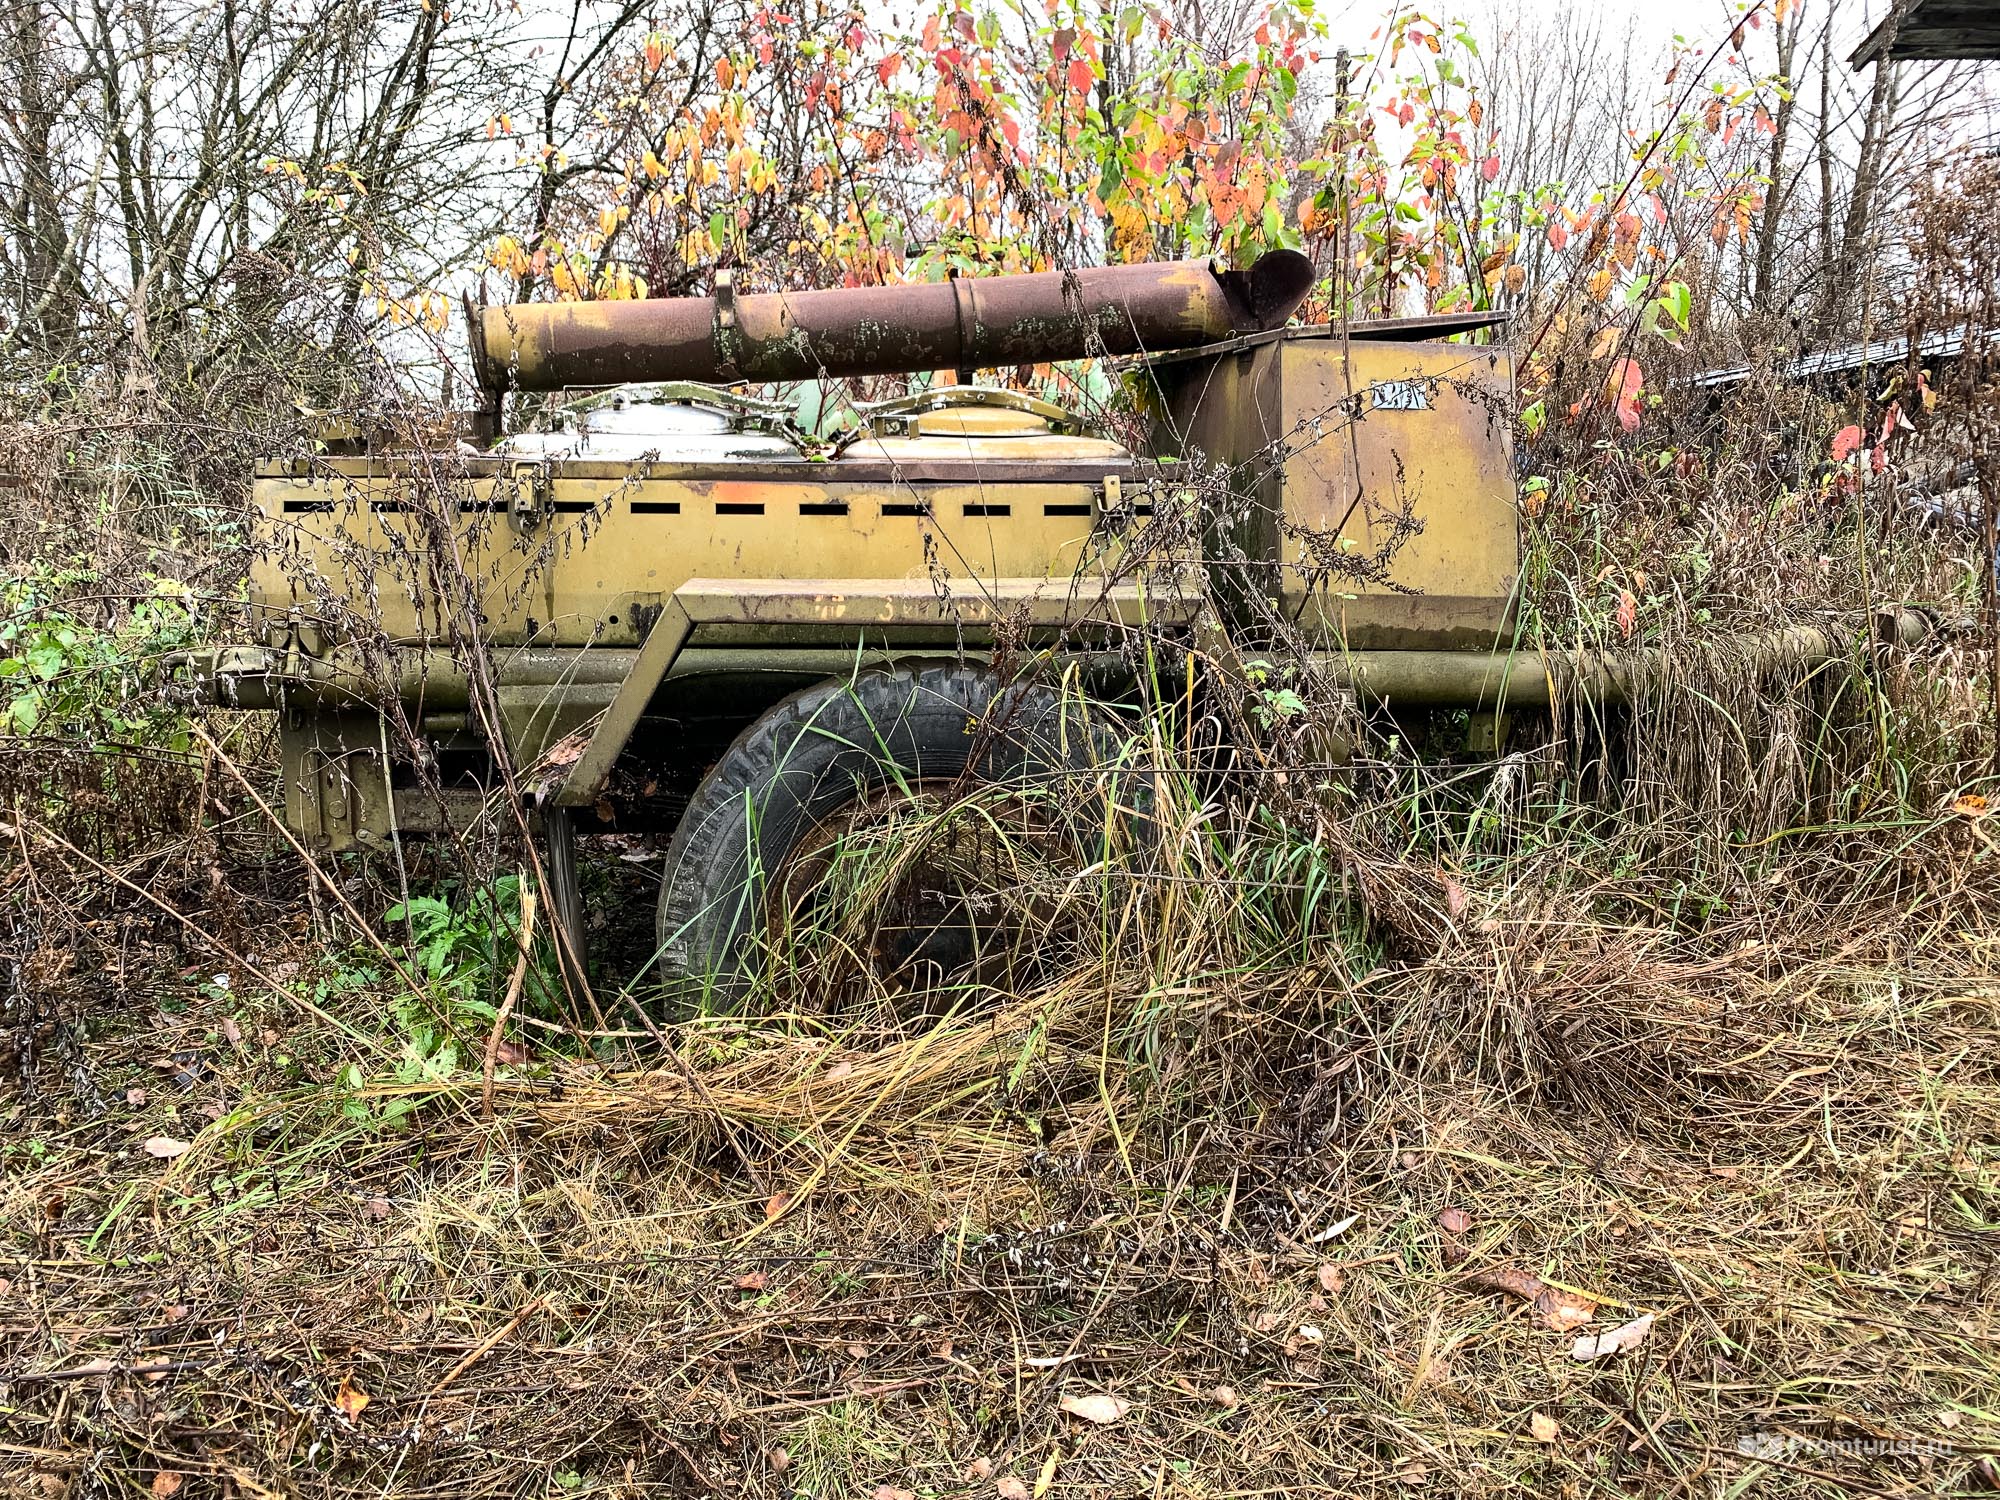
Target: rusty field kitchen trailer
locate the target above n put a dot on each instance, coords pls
(699, 613)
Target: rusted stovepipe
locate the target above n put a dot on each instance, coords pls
(964, 324)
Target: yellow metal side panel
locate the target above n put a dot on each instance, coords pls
(1426, 444)
(615, 547)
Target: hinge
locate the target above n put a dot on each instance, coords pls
(530, 498)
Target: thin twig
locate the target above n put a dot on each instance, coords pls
(526, 941)
(487, 1345)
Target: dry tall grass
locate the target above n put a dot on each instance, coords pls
(1280, 1158)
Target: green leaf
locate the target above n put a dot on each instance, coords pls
(1677, 302)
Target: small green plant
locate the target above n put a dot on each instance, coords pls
(63, 673)
(464, 943)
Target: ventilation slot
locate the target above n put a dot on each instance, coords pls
(739, 508)
(989, 510)
(900, 509)
(573, 507)
(308, 507)
(656, 507)
(1065, 510)
(824, 508)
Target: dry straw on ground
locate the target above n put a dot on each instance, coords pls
(1275, 1216)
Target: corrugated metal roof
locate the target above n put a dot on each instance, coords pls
(1876, 354)
(1931, 30)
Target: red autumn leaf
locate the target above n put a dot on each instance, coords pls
(1627, 381)
(1080, 76)
(1490, 168)
(888, 66)
(1628, 612)
(1845, 442)
(1558, 236)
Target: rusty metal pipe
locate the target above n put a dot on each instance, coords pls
(963, 324)
(1530, 680)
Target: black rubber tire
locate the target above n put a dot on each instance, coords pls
(812, 754)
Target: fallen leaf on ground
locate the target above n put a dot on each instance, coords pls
(979, 1468)
(1563, 1311)
(1971, 805)
(1455, 898)
(1331, 1277)
(752, 1281)
(510, 1054)
(232, 1032)
(1626, 1336)
(1224, 1396)
(1544, 1428)
(164, 1146)
(780, 1460)
(350, 1400)
(1510, 1279)
(375, 1207)
(1558, 1309)
(1011, 1488)
(890, 1492)
(1048, 1475)
(1337, 1229)
(776, 1204)
(1454, 1221)
(1103, 1410)
(166, 1483)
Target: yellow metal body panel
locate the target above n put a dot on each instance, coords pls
(1418, 440)
(1375, 484)
(609, 543)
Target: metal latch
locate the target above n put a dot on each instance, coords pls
(530, 498)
